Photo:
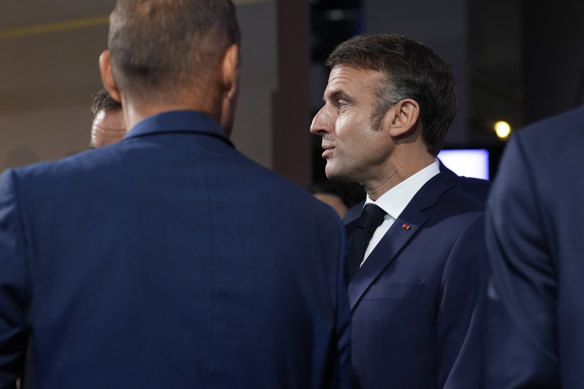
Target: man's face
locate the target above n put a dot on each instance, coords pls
(353, 150)
(108, 127)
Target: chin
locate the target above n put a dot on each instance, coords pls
(333, 174)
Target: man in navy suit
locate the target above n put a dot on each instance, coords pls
(536, 248)
(416, 298)
(170, 260)
(476, 187)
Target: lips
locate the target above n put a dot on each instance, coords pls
(328, 151)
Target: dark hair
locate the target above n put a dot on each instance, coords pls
(102, 101)
(163, 44)
(412, 71)
(350, 193)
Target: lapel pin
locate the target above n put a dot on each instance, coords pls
(406, 227)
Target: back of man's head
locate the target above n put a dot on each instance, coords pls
(159, 46)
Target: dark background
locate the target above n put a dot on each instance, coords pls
(518, 61)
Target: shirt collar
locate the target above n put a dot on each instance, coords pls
(395, 200)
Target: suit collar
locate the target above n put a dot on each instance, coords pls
(405, 227)
(395, 200)
(355, 211)
(179, 121)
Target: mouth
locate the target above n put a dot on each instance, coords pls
(328, 151)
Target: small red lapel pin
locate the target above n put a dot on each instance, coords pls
(406, 227)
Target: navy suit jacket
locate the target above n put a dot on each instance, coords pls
(475, 187)
(535, 237)
(169, 260)
(416, 301)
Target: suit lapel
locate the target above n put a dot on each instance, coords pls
(383, 254)
(405, 227)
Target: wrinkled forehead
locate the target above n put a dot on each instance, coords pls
(349, 80)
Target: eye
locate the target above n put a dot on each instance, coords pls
(340, 105)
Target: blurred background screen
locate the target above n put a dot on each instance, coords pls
(467, 162)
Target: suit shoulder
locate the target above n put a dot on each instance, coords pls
(282, 192)
(562, 129)
(55, 171)
(477, 188)
(459, 200)
(553, 145)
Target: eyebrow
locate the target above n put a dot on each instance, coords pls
(338, 95)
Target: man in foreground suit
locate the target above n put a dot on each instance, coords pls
(170, 260)
(416, 299)
(536, 249)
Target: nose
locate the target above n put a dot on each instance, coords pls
(321, 123)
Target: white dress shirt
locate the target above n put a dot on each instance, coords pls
(395, 200)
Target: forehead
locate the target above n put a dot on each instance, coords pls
(351, 80)
(109, 118)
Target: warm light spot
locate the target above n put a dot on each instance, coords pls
(503, 129)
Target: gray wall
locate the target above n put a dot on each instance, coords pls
(49, 69)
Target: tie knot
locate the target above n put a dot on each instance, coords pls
(371, 217)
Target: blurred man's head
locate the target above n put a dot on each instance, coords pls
(174, 54)
(107, 126)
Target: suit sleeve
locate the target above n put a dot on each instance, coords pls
(13, 331)
(521, 348)
(343, 319)
(460, 320)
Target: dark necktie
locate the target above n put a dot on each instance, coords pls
(364, 226)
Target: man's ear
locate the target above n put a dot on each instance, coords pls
(230, 70)
(107, 77)
(403, 117)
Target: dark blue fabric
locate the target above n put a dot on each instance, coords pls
(363, 230)
(169, 260)
(536, 245)
(417, 301)
(475, 187)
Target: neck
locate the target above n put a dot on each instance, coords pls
(402, 166)
(138, 110)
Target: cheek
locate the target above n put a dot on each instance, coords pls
(354, 130)
(379, 148)
(365, 146)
